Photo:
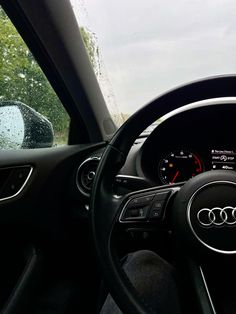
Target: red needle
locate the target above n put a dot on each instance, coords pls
(175, 176)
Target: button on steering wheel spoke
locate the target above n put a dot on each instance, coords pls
(146, 206)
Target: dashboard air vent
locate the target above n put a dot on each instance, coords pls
(85, 175)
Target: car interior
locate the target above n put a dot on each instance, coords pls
(164, 181)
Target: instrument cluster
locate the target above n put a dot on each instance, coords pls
(182, 164)
(189, 143)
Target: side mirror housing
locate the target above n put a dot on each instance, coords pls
(23, 127)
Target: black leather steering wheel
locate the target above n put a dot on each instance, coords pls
(107, 209)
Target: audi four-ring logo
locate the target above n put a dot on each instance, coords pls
(217, 216)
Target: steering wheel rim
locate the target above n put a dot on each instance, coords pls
(105, 207)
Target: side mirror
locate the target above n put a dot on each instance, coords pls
(23, 127)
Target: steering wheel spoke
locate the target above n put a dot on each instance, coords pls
(148, 206)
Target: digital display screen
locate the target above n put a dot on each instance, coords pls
(223, 159)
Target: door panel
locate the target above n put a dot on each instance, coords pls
(46, 253)
(19, 274)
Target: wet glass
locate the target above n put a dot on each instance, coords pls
(148, 47)
(12, 127)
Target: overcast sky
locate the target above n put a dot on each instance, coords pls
(148, 47)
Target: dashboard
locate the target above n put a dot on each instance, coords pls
(180, 147)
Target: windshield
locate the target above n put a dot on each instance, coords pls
(140, 49)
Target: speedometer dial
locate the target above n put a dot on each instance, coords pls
(179, 166)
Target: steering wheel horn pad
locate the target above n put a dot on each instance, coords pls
(204, 212)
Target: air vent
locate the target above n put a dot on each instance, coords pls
(85, 175)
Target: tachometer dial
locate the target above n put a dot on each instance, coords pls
(179, 166)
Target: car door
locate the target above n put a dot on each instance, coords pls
(47, 261)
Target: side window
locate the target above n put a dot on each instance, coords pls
(31, 115)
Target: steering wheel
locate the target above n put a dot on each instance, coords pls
(198, 226)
